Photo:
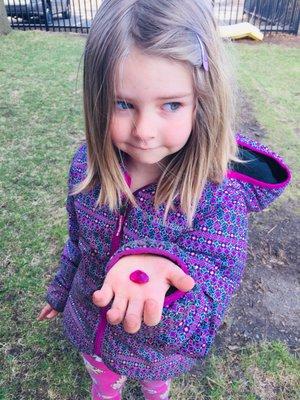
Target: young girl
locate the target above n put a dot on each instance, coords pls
(158, 197)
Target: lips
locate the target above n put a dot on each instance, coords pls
(140, 148)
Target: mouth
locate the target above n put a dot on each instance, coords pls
(140, 148)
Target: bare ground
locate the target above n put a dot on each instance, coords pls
(278, 38)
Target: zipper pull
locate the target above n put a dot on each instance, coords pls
(121, 217)
(123, 208)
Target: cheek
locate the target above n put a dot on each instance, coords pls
(178, 131)
(118, 129)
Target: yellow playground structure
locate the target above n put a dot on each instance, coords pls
(241, 30)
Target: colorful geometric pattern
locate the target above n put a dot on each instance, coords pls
(213, 252)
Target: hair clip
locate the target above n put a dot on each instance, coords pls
(203, 54)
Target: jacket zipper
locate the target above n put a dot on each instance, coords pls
(115, 245)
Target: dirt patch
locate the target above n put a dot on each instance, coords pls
(267, 304)
(282, 39)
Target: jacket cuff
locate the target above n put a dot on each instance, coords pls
(57, 297)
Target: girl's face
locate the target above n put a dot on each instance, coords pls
(154, 108)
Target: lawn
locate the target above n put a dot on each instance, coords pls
(41, 124)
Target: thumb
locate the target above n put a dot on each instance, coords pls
(181, 281)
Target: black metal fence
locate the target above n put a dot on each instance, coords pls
(77, 15)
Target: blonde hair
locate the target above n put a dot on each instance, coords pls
(165, 28)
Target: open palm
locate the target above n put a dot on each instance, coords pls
(134, 302)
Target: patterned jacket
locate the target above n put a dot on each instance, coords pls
(213, 252)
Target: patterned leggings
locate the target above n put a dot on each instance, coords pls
(108, 385)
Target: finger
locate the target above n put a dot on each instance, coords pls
(152, 312)
(118, 309)
(134, 315)
(181, 281)
(103, 296)
(52, 314)
(44, 312)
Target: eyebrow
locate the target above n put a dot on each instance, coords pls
(174, 96)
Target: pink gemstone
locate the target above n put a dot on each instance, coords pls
(139, 276)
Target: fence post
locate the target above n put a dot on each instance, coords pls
(295, 32)
(4, 24)
(45, 15)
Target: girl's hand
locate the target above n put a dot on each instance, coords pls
(140, 301)
(47, 313)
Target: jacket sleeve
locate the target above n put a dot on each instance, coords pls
(59, 288)
(214, 254)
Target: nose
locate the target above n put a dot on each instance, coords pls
(143, 128)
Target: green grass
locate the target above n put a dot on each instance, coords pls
(41, 124)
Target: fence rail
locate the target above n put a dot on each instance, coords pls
(77, 15)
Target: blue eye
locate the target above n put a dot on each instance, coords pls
(123, 105)
(174, 106)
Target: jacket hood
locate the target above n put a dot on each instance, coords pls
(263, 177)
